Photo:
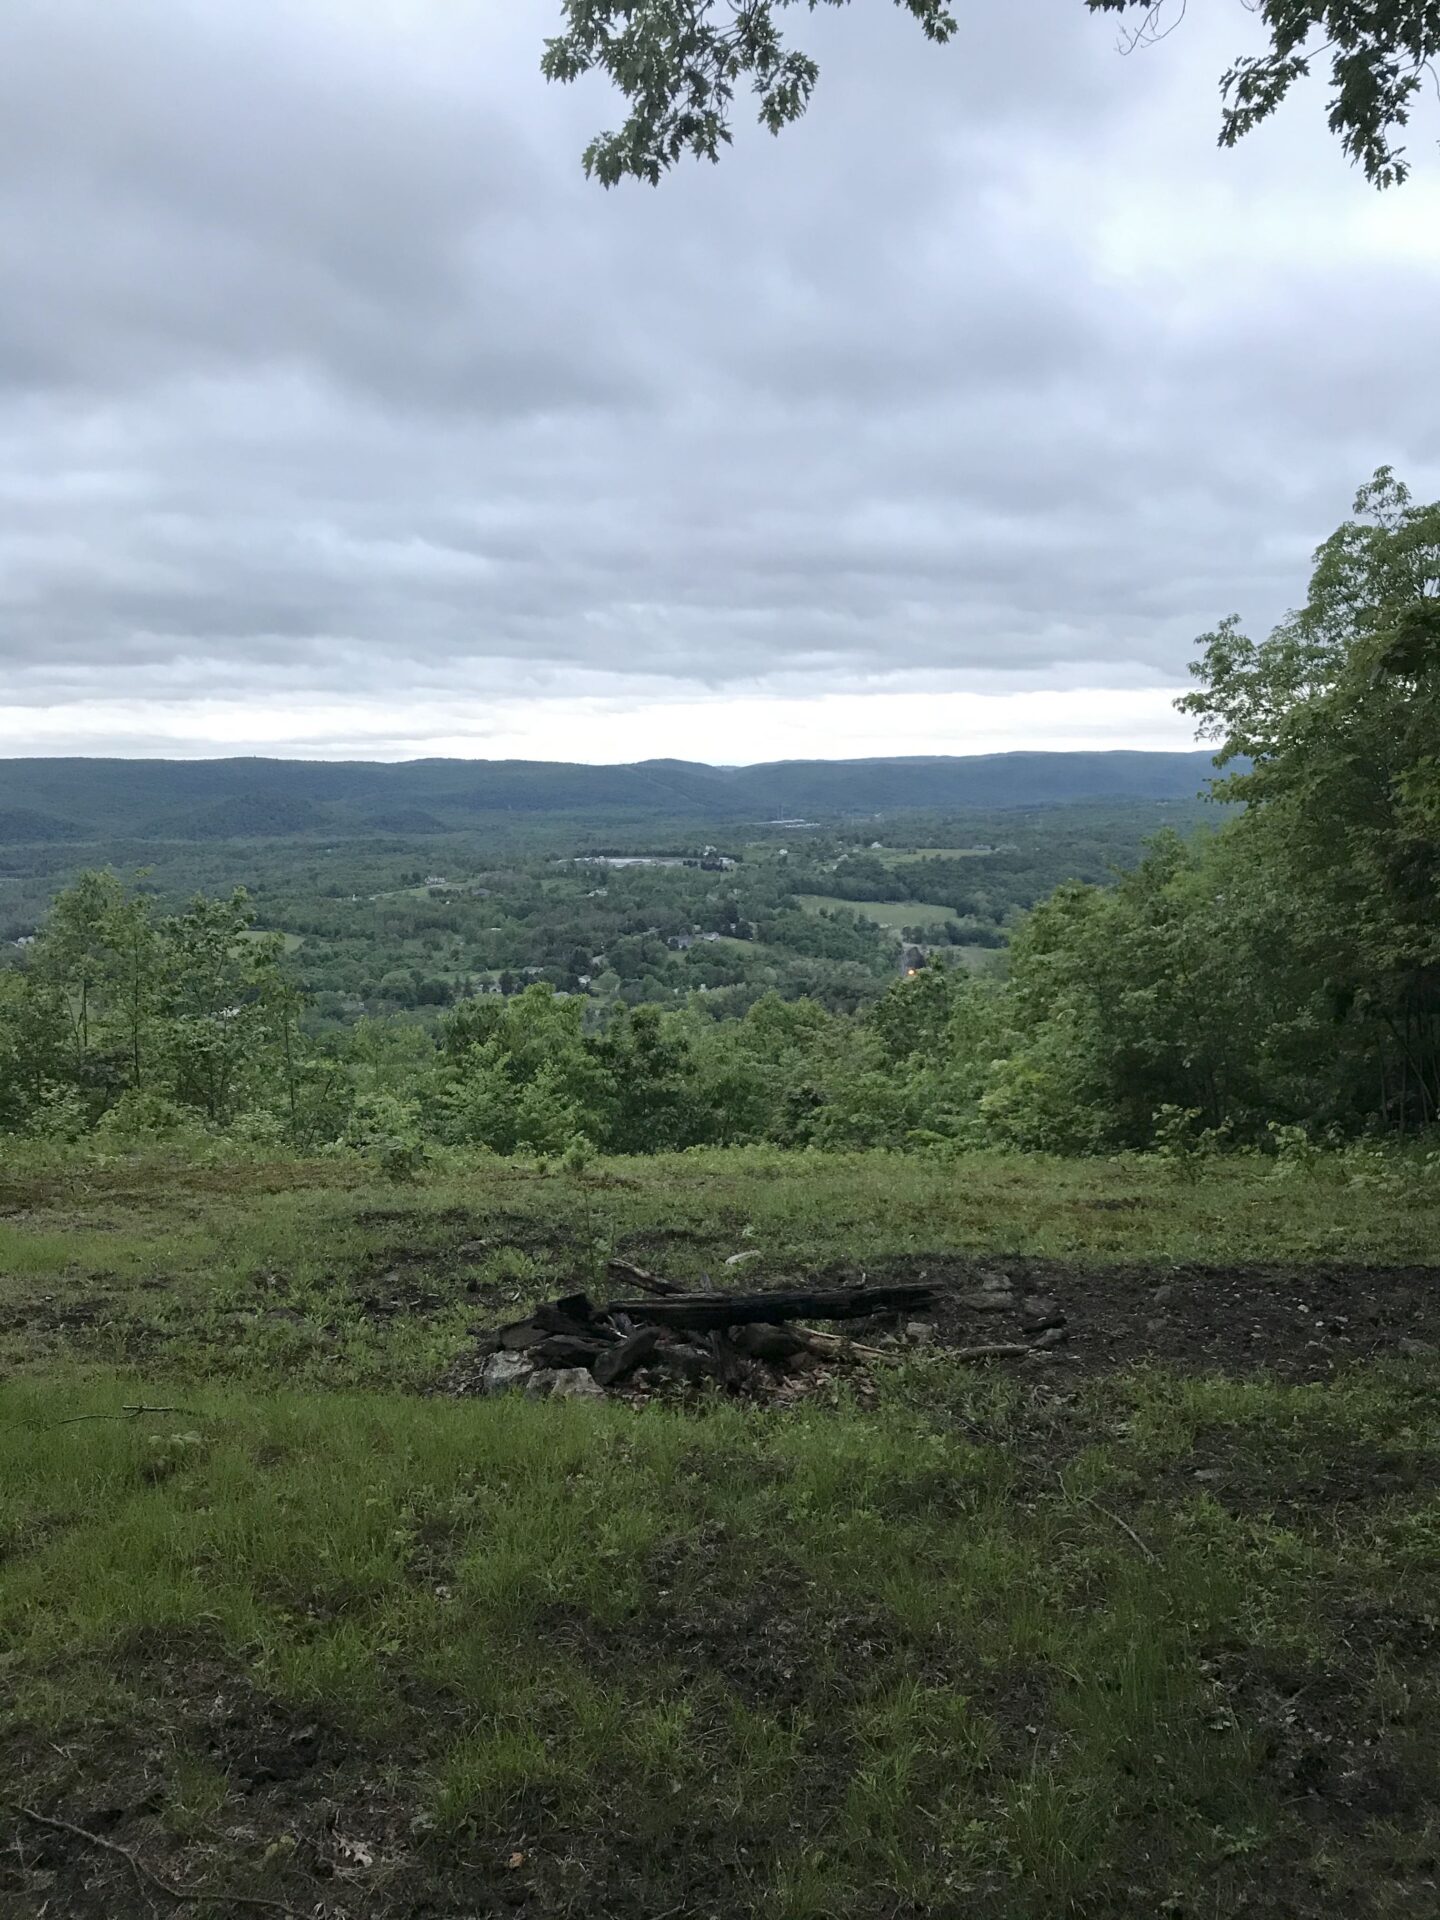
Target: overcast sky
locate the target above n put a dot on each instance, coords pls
(340, 415)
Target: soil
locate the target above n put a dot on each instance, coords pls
(1296, 1323)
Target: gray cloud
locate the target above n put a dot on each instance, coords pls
(322, 367)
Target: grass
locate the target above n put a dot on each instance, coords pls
(899, 859)
(290, 942)
(975, 1646)
(890, 914)
(830, 1664)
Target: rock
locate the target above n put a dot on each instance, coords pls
(738, 1259)
(1414, 1349)
(1208, 1475)
(920, 1332)
(503, 1372)
(996, 1283)
(1038, 1313)
(575, 1383)
(1051, 1337)
(986, 1302)
(1156, 1326)
(1163, 1296)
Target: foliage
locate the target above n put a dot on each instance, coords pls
(121, 1008)
(1339, 712)
(677, 64)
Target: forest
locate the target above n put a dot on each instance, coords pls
(1271, 976)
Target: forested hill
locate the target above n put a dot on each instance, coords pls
(80, 799)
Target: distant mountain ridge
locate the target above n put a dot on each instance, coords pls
(166, 800)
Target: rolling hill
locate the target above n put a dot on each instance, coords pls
(180, 800)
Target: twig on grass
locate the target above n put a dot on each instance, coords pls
(125, 1413)
(146, 1877)
(651, 1282)
(1124, 1526)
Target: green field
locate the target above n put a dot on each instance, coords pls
(291, 942)
(1145, 1630)
(898, 856)
(891, 914)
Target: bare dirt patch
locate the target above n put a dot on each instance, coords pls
(1299, 1323)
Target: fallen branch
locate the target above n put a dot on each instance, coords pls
(651, 1282)
(1124, 1526)
(206, 1895)
(711, 1312)
(125, 1413)
(838, 1346)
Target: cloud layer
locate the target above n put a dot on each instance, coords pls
(330, 389)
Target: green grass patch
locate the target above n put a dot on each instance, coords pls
(899, 858)
(890, 914)
(839, 1662)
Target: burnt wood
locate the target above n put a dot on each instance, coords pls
(565, 1350)
(615, 1363)
(710, 1312)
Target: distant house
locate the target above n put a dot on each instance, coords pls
(681, 942)
(912, 959)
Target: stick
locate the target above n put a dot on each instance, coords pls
(651, 1282)
(1124, 1526)
(143, 1873)
(702, 1312)
(125, 1413)
(835, 1345)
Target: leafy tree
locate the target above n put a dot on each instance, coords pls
(519, 1073)
(35, 1047)
(1338, 712)
(100, 962)
(678, 64)
(653, 1104)
(220, 1005)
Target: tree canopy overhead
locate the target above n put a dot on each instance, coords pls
(680, 63)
